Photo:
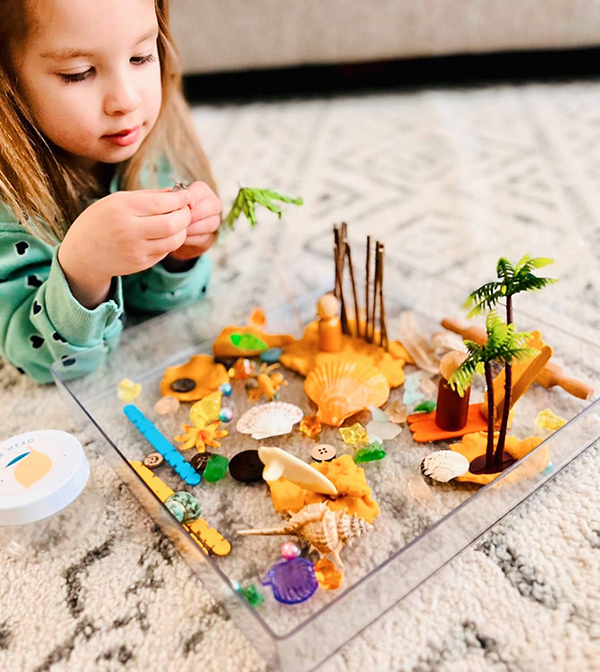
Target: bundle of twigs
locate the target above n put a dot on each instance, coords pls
(342, 252)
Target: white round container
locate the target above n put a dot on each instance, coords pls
(48, 503)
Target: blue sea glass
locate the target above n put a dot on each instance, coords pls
(292, 581)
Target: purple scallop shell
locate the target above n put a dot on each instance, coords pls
(292, 581)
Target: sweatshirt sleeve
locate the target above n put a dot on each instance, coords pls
(41, 322)
(157, 290)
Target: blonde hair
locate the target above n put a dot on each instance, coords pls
(37, 179)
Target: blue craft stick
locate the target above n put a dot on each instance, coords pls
(174, 459)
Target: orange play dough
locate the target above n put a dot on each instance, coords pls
(304, 355)
(223, 347)
(354, 493)
(203, 370)
(474, 445)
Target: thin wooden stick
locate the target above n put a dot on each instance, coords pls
(375, 290)
(335, 261)
(340, 255)
(354, 294)
(367, 276)
(383, 327)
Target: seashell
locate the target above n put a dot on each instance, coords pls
(293, 581)
(272, 419)
(444, 465)
(343, 386)
(325, 530)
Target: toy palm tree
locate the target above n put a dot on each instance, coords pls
(511, 280)
(503, 345)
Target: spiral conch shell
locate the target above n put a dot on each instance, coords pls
(325, 530)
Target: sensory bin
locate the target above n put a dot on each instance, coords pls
(421, 523)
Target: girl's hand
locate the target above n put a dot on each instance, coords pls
(123, 233)
(202, 233)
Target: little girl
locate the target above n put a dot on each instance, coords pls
(91, 116)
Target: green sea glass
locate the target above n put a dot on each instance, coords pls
(216, 468)
(370, 453)
(253, 595)
(425, 406)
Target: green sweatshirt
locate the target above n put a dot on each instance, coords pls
(42, 323)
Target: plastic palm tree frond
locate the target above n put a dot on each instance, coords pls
(463, 375)
(247, 198)
(509, 354)
(505, 270)
(511, 280)
(484, 298)
(528, 263)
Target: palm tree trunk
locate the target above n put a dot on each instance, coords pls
(489, 452)
(507, 395)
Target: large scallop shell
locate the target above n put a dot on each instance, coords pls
(444, 465)
(325, 530)
(343, 386)
(272, 419)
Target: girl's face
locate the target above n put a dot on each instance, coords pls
(90, 74)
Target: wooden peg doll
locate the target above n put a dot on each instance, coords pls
(330, 325)
(452, 410)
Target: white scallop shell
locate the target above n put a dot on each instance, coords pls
(272, 419)
(444, 465)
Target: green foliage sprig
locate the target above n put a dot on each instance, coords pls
(248, 198)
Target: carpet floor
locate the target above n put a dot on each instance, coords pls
(450, 179)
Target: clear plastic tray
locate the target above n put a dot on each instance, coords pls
(411, 540)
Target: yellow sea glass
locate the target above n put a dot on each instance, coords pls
(355, 435)
(128, 391)
(547, 419)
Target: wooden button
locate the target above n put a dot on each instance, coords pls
(183, 385)
(246, 467)
(200, 460)
(153, 460)
(322, 452)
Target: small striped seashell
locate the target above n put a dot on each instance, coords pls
(444, 465)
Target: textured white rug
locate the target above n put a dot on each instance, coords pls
(449, 179)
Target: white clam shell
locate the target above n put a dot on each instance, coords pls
(272, 419)
(444, 465)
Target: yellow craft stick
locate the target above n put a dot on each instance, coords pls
(524, 374)
(160, 489)
(207, 536)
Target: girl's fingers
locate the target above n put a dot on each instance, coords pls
(147, 202)
(163, 246)
(202, 242)
(164, 226)
(202, 226)
(207, 207)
